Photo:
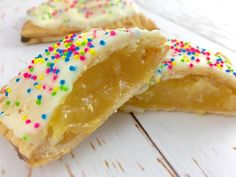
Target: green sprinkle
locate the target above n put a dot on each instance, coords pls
(17, 103)
(38, 102)
(8, 103)
(26, 138)
(54, 93)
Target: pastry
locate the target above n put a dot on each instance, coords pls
(67, 92)
(54, 19)
(191, 79)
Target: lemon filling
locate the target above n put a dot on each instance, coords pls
(100, 91)
(192, 93)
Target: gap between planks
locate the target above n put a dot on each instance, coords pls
(166, 164)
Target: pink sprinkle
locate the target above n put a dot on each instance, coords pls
(50, 49)
(44, 87)
(26, 75)
(34, 77)
(57, 56)
(36, 125)
(27, 121)
(112, 33)
(82, 58)
(170, 67)
(48, 70)
(55, 77)
(197, 60)
(86, 49)
(190, 65)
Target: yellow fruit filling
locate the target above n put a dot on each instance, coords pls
(193, 93)
(100, 91)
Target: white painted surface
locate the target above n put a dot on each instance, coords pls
(189, 144)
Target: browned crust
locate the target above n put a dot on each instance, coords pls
(32, 34)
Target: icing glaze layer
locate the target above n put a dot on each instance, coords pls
(84, 14)
(184, 58)
(28, 102)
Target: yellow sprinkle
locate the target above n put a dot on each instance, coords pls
(54, 46)
(56, 89)
(76, 57)
(24, 117)
(82, 53)
(92, 51)
(38, 87)
(36, 61)
(78, 43)
(56, 60)
(173, 63)
(187, 60)
(9, 90)
(41, 77)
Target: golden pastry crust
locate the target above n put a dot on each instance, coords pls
(191, 79)
(32, 34)
(39, 140)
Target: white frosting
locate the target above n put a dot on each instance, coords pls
(184, 59)
(52, 73)
(82, 14)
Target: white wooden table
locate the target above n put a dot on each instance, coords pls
(156, 144)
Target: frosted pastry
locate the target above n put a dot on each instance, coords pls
(191, 79)
(54, 19)
(67, 92)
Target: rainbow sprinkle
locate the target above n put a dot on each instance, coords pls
(185, 54)
(50, 76)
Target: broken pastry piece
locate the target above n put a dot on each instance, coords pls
(66, 93)
(55, 19)
(191, 79)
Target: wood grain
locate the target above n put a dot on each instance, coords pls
(154, 144)
(195, 145)
(212, 19)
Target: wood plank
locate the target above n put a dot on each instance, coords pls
(212, 19)
(117, 149)
(195, 145)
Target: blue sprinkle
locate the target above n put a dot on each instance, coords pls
(67, 59)
(102, 42)
(62, 82)
(192, 58)
(89, 39)
(51, 65)
(227, 71)
(69, 53)
(36, 83)
(29, 90)
(72, 68)
(46, 59)
(18, 79)
(57, 71)
(39, 97)
(1, 113)
(172, 59)
(44, 116)
(53, 57)
(39, 56)
(6, 93)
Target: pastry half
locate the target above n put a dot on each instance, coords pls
(191, 79)
(53, 20)
(67, 92)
